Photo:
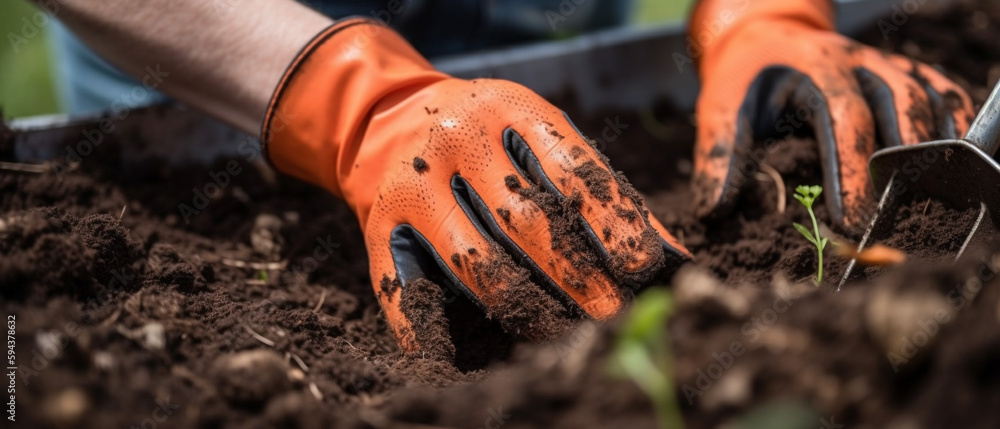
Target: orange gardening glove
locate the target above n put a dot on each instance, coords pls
(773, 68)
(481, 186)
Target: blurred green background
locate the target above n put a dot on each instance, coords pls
(26, 86)
(25, 76)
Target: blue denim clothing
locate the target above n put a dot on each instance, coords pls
(87, 83)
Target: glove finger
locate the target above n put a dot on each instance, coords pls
(550, 152)
(389, 290)
(415, 249)
(951, 105)
(544, 235)
(675, 252)
(845, 130)
(901, 107)
(778, 102)
(726, 156)
(501, 189)
(562, 163)
(716, 146)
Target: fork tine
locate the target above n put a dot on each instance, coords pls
(885, 201)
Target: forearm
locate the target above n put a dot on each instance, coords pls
(224, 58)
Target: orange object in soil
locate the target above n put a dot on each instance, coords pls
(875, 256)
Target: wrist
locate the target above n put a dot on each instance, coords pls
(322, 107)
(714, 23)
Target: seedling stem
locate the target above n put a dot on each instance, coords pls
(807, 196)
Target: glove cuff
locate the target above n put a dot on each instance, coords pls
(318, 114)
(713, 22)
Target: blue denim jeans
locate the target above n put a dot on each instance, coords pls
(86, 83)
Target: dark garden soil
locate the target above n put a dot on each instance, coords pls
(257, 311)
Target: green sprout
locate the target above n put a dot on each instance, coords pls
(262, 275)
(807, 195)
(642, 354)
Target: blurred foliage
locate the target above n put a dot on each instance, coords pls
(642, 354)
(26, 85)
(25, 71)
(654, 11)
(784, 414)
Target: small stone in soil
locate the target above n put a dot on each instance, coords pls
(251, 378)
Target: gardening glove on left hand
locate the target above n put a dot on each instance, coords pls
(772, 68)
(479, 185)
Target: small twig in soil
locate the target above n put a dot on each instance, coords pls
(186, 374)
(299, 361)
(351, 346)
(927, 204)
(111, 319)
(24, 168)
(315, 391)
(259, 337)
(280, 265)
(779, 183)
(151, 335)
(322, 299)
(123, 212)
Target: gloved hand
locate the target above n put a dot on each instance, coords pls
(478, 185)
(769, 68)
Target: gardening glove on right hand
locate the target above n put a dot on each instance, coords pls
(772, 68)
(480, 186)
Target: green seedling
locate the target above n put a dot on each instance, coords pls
(642, 354)
(807, 196)
(262, 275)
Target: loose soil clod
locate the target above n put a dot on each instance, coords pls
(419, 165)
